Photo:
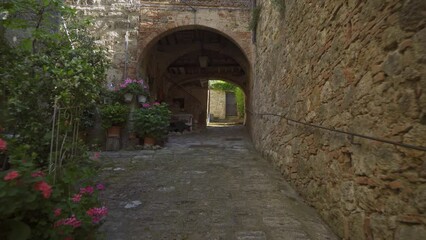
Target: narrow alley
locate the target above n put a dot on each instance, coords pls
(207, 185)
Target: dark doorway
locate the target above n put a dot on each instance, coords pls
(231, 105)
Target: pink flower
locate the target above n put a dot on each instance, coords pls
(37, 174)
(11, 175)
(88, 189)
(156, 103)
(146, 105)
(71, 221)
(76, 198)
(57, 212)
(97, 214)
(100, 186)
(3, 145)
(96, 155)
(43, 187)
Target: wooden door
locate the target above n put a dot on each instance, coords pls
(231, 104)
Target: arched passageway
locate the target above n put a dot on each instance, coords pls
(179, 63)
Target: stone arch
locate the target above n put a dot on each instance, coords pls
(148, 39)
(148, 56)
(170, 58)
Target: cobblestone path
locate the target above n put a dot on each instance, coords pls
(202, 186)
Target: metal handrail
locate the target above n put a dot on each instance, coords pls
(194, 3)
(419, 148)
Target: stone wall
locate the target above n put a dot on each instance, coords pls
(115, 23)
(357, 66)
(207, 3)
(217, 108)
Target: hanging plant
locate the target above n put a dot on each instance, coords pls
(135, 87)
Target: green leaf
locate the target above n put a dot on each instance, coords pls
(18, 230)
(27, 44)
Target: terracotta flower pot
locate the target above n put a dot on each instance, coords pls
(149, 141)
(114, 131)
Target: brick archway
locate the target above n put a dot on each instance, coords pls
(148, 39)
(172, 60)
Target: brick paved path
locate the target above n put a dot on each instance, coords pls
(201, 186)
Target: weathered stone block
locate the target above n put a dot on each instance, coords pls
(356, 226)
(392, 64)
(382, 226)
(412, 232)
(391, 37)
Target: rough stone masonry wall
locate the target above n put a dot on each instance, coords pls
(218, 104)
(111, 21)
(358, 66)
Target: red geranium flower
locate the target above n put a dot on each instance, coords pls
(11, 175)
(37, 174)
(57, 212)
(3, 145)
(43, 187)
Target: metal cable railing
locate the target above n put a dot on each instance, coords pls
(207, 3)
(350, 134)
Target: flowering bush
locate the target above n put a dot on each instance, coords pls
(33, 206)
(152, 120)
(136, 87)
(44, 66)
(80, 214)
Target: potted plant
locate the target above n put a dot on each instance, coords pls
(152, 122)
(113, 117)
(131, 87)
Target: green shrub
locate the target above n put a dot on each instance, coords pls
(49, 67)
(48, 64)
(152, 120)
(114, 114)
